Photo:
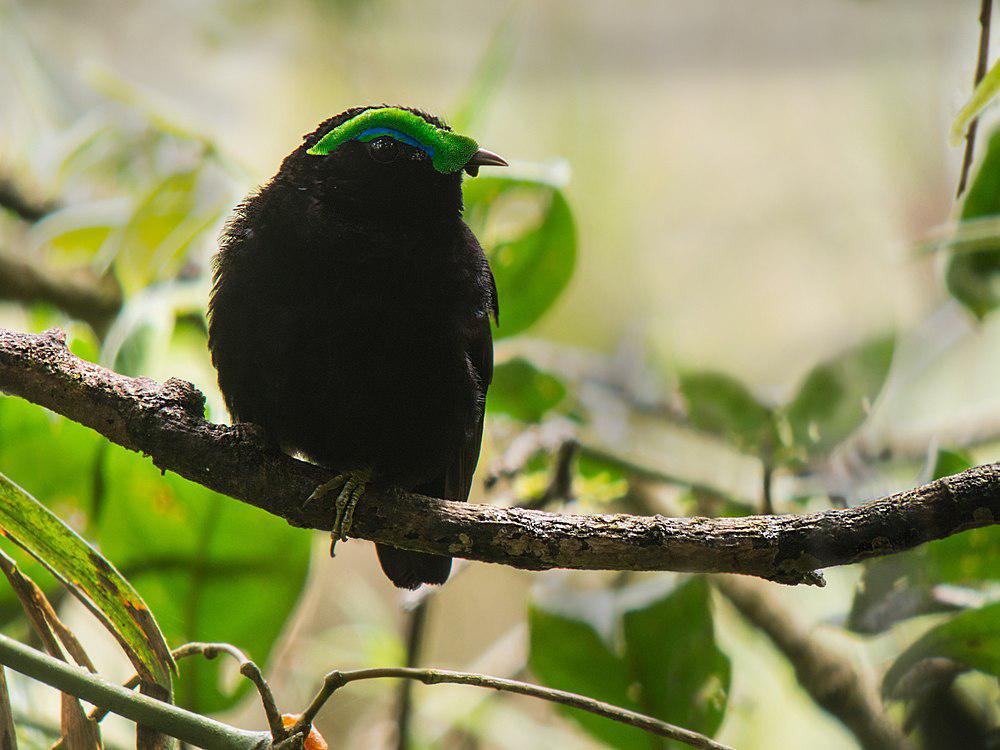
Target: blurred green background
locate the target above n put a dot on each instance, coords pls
(751, 188)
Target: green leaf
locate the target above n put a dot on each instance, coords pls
(76, 234)
(722, 405)
(683, 675)
(971, 638)
(836, 396)
(67, 485)
(158, 214)
(969, 558)
(527, 230)
(973, 272)
(985, 92)
(154, 242)
(666, 665)
(948, 462)
(522, 391)
(973, 278)
(568, 654)
(212, 568)
(28, 432)
(82, 569)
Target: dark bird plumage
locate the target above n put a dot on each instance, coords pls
(350, 318)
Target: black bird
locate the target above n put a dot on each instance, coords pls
(350, 313)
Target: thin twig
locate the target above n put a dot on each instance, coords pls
(560, 485)
(767, 502)
(79, 293)
(8, 734)
(982, 60)
(337, 679)
(247, 668)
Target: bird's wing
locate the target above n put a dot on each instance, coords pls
(408, 569)
(458, 476)
(479, 350)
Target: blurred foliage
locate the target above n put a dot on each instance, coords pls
(522, 391)
(984, 94)
(973, 273)
(897, 588)
(664, 662)
(832, 401)
(140, 196)
(970, 638)
(83, 570)
(195, 556)
(837, 395)
(719, 403)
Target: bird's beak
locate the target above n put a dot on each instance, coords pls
(483, 158)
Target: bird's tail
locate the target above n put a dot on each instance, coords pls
(407, 570)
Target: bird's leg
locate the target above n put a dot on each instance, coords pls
(350, 486)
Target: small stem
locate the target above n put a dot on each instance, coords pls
(414, 646)
(26, 208)
(336, 680)
(560, 485)
(164, 717)
(8, 735)
(247, 668)
(767, 503)
(985, 16)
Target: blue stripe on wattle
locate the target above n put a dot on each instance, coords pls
(372, 133)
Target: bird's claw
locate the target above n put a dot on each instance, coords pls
(350, 487)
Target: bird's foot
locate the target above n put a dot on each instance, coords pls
(349, 486)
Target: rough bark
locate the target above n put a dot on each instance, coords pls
(165, 421)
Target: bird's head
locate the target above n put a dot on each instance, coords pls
(381, 161)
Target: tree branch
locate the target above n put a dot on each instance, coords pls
(26, 208)
(165, 422)
(336, 680)
(79, 293)
(829, 677)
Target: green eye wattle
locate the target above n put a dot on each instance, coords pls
(448, 151)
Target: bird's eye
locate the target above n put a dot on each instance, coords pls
(384, 149)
